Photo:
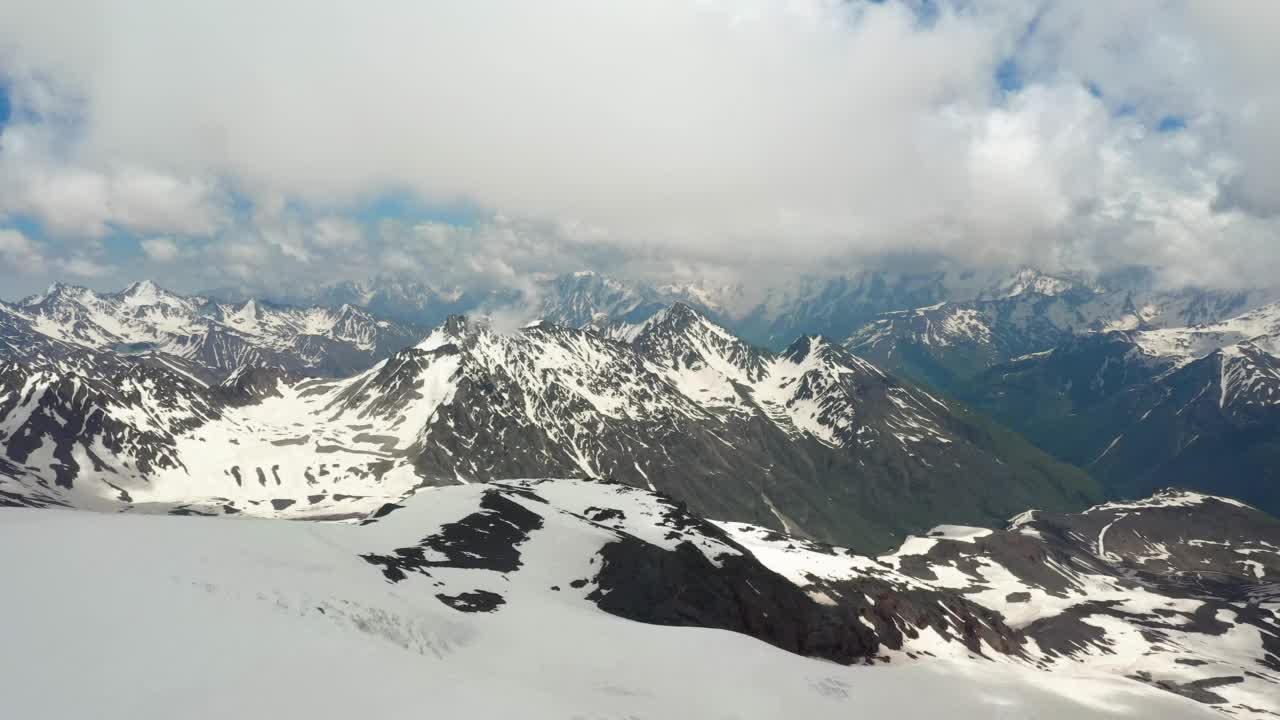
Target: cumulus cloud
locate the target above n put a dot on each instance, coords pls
(738, 134)
(161, 250)
(41, 179)
(83, 266)
(19, 253)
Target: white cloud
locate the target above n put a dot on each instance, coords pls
(76, 201)
(161, 250)
(335, 233)
(733, 133)
(19, 252)
(83, 266)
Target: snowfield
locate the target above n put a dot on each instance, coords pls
(148, 616)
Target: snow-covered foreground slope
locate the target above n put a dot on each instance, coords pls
(477, 601)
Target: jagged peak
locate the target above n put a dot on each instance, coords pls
(145, 292)
(681, 313)
(55, 291)
(347, 310)
(250, 310)
(459, 325)
(1031, 280)
(805, 346)
(683, 320)
(452, 330)
(142, 287)
(545, 325)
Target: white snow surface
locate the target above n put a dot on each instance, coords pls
(137, 617)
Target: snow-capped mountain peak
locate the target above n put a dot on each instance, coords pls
(680, 338)
(812, 388)
(1030, 280)
(145, 292)
(218, 337)
(806, 347)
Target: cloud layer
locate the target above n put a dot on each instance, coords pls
(236, 141)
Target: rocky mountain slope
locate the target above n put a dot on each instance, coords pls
(947, 343)
(1161, 608)
(1178, 591)
(812, 440)
(217, 338)
(836, 306)
(1199, 406)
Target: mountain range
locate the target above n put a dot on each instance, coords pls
(923, 486)
(1013, 351)
(835, 306)
(197, 334)
(1198, 407)
(812, 440)
(1138, 386)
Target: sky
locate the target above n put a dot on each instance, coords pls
(266, 144)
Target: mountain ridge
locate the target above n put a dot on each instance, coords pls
(815, 440)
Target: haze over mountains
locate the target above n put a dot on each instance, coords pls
(773, 313)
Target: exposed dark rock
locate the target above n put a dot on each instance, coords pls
(643, 582)
(475, 601)
(486, 540)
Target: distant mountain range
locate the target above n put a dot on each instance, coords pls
(198, 335)
(1013, 350)
(1183, 388)
(947, 342)
(1196, 407)
(868, 304)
